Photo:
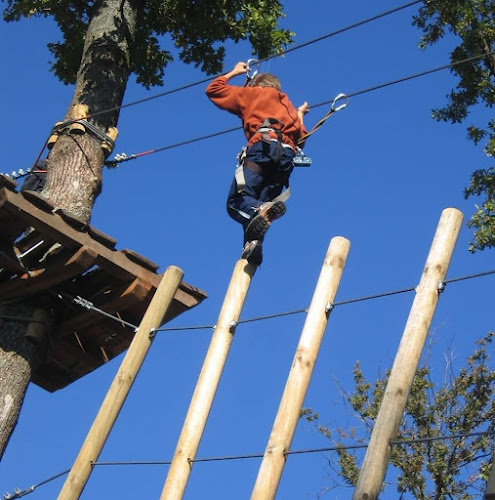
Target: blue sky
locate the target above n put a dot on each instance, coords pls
(382, 173)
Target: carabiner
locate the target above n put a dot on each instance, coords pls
(334, 109)
(250, 75)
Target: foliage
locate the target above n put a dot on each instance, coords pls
(473, 23)
(197, 29)
(423, 468)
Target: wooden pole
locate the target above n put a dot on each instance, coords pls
(121, 385)
(208, 381)
(490, 484)
(300, 373)
(408, 356)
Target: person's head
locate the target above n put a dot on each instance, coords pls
(266, 80)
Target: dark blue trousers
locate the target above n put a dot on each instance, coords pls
(260, 186)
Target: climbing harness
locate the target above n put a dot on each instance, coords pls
(300, 159)
(265, 129)
(250, 73)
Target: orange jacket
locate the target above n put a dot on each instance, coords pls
(253, 105)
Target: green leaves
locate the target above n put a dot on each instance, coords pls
(472, 22)
(196, 28)
(455, 465)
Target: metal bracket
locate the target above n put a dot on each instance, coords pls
(301, 160)
(441, 286)
(152, 333)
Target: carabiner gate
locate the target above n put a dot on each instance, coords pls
(250, 74)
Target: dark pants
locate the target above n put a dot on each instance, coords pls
(262, 185)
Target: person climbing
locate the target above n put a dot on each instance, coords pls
(273, 128)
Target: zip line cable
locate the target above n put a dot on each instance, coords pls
(279, 54)
(89, 305)
(119, 158)
(394, 442)
(205, 80)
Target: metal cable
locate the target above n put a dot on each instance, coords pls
(393, 442)
(84, 303)
(280, 54)
(124, 157)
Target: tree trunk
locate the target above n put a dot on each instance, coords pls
(76, 161)
(23, 342)
(74, 181)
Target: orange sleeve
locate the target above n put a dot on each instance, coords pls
(225, 96)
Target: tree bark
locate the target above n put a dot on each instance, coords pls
(73, 182)
(76, 161)
(23, 342)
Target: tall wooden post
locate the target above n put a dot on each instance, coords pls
(208, 381)
(121, 385)
(300, 374)
(490, 484)
(408, 356)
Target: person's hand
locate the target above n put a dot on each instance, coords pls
(303, 109)
(240, 68)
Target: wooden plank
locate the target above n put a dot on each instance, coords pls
(56, 228)
(7, 182)
(71, 219)
(101, 237)
(9, 261)
(139, 259)
(59, 271)
(38, 200)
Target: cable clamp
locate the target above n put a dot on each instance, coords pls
(119, 158)
(83, 302)
(334, 109)
(15, 174)
(329, 308)
(441, 286)
(152, 334)
(232, 326)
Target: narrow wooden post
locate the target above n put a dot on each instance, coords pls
(490, 484)
(408, 356)
(300, 373)
(208, 381)
(121, 385)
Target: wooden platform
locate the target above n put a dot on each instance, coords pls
(45, 250)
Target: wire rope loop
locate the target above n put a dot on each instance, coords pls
(334, 109)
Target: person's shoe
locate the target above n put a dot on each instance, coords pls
(267, 213)
(252, 252)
